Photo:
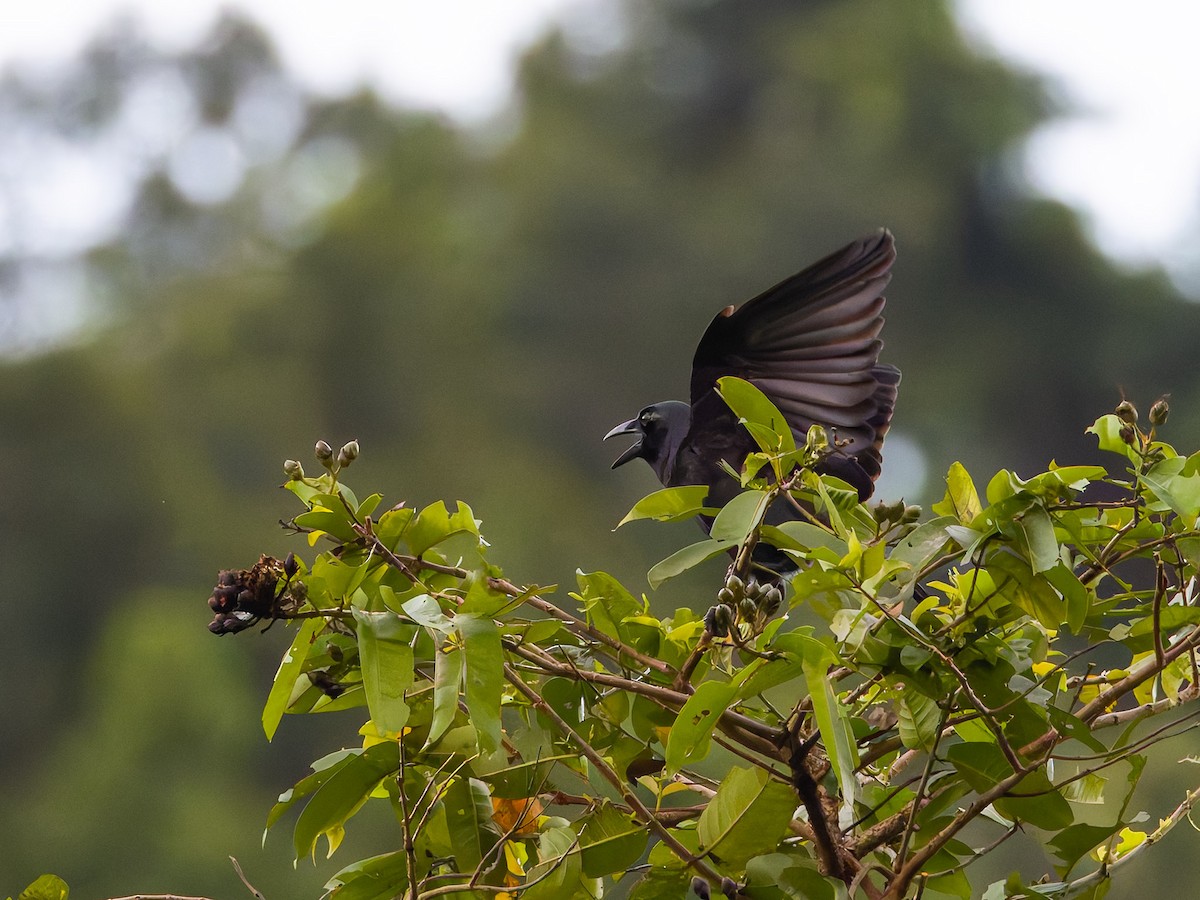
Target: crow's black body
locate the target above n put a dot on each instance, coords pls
(811, 344)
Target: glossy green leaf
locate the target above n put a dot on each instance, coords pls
(747, 817)
(469, 818)
(789, 876)
(1033, 799)
(435, 523)
(375, 878)
(1108, 431)
(836, 733)
(447, 685)
(754, 407)
(46, 887)
(484, 677)
(610, 841)
(691, 734)
(332, 521)
(687, 558)
(739, 517)
(918, 719)
(961, 500)
(387, 667)
(1039, 542)
(323, 769)
(669, 505)
(289, 670)
(558, 868)
(607, 602)
(342, 795)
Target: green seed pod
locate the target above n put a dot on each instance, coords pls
(292, 469)
(772, 600)
(735, 584)
(749, 609)
(725, 595)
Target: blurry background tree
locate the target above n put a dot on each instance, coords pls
(489, 301)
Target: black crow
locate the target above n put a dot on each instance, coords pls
(811, 344)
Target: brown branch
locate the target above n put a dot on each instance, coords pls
(645, 815)
(755, 735)
(410, 565)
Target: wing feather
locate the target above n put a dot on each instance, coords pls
(811, 344)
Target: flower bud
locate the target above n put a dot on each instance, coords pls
(725, 595)
(700, 888)
(749, 610)
(349, 452)
(290, 565)
(1127, 412)
(324, 452)
(735, 584)
(1127, 434)
(1159, 412)
(293, 470)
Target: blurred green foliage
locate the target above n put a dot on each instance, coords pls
(479, 306)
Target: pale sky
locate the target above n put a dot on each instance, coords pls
(1130, 161)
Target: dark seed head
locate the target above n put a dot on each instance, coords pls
(1127, 412)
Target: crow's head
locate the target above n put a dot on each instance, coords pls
(660, 428)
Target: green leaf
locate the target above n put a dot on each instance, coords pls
(375, 878)
(289, 670)
(1074, 842)
(748, 816)
(335, 522)
(1040, 544)
(387, 667)
(484, 679)
(469, 818)
(753, 407)
(435, 523)
(682, 560)
(669, 504)
(424, 610)
(1033, 799)
(961, 500)
(689, 739)
(832, 723)
(1031, 593)
(1176, 483)
(739, 517)
(918, 718)
(46, 887)
(558, 866)
(925, 543)
(789, 876)
(1108, 431)
(607, 602)
(323, 769)
(610, 842)
(342, 795)
(447, 682)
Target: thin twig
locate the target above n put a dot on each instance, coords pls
(645, 815)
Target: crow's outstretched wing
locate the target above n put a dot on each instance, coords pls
(811, 344)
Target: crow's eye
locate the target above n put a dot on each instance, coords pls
(645, 418)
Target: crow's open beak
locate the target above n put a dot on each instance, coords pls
(630, 427)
